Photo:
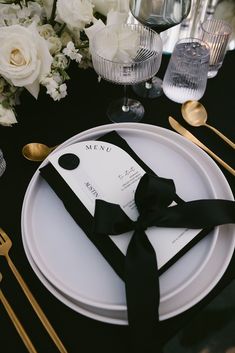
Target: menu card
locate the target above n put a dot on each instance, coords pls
(101, 170)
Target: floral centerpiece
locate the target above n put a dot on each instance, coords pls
(39, 39)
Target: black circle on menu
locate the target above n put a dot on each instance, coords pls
(69, 161)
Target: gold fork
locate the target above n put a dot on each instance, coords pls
(5, 245)
(21, 331)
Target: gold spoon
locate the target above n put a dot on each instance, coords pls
(36, 152)
(194, 113)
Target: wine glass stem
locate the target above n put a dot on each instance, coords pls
(149, 84)
(125, 107)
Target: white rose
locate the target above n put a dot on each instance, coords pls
(75, 13)
(24, 57)
(46, 31)
(7, 116)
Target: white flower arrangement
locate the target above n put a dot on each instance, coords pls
(39, 39)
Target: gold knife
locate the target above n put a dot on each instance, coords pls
(182, 131)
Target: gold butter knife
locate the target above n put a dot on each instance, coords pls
(182, 131)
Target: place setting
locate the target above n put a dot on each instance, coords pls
(44, 235)
(126, 223)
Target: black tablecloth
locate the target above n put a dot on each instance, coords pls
(52, 123)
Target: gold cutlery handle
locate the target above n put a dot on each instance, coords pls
(37, 308)
(25, 338)
(213, 155)
(184, 132)
(226, 139)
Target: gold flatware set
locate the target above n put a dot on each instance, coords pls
(5, 245)
(195, 114)
(184, 132)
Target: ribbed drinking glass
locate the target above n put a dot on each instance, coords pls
(2, 163)
(216, 34)
(186, 74)
(159, 15)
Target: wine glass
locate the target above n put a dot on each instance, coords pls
(159, 15)
(126, 54)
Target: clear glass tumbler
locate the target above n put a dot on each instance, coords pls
(2, 163)
(159, 15)
(186, 74)
(216, 33)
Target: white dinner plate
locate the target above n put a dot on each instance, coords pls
(72, 268)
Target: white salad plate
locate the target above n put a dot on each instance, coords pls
(74, 271)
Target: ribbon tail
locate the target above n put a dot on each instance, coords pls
(197, 214)
(142, 293)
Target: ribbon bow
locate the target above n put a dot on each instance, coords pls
(153, 198)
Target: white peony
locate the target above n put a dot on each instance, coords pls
(7, 116)
(75, 13)
(24, 57)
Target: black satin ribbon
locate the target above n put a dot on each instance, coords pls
(153, 197)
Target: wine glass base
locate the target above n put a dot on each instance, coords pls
(133, 111)
(150, 89)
